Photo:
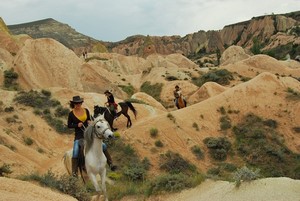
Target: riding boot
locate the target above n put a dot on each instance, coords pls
(74, 167)
(109, 160)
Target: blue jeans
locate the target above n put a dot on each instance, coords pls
(76, 148)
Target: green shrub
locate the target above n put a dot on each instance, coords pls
(135, 172)
(174, 163)
(28, 141)
(221, 77)
(129, 89)
(5, 169)
(218, 147)
(171, 117)
(197, 152)
(61, 112)
(261, 146)
(153, 132)
(168, 183)
(152, 90)
(9, 109)
(245, 174)
(10, 80)
(158, 143)
(293, 94)
(195, 125)
(65, 184)
(225, 122)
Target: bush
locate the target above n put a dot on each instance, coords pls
(221, 77)
(169, 183)
(225, 123)
(218, 147)
(10, 79)
(135, 172)
(28, 141)
(261, 146)
(173, 163)
(152, 90)
(195, 125)
(153, 132)
(245, 174)
(5, 169)
(197, 152)
(159, 143)
(9, 109)
(129, 89)
(61, 112)
(65, 184)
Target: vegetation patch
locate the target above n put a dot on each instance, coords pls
(65, 184)
(128, 89)
(261, 146)
(218, 147)
(293, 94)
(245, 174)
(152, 90)
(221, 77)
(48, 108)
(10, 80)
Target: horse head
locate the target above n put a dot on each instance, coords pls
(98, 110)
(102, 127)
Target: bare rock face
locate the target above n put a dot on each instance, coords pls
(39, 64)
(284, 23)
(6, 40)
(233, 54)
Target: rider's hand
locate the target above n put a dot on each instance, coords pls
(80, 124)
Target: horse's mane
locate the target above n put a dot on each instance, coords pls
(88, 133)
(88, 136)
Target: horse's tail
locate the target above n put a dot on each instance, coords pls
(66, 162)
(131, 108)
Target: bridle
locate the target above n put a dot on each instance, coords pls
(100, 135)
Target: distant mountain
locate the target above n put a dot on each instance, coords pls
(276, 35)
(50, 28)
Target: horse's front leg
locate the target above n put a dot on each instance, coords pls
(94, 181)
(103, 184)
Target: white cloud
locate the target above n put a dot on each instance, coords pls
(115, 20)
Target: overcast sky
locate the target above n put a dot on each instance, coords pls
(114, 20)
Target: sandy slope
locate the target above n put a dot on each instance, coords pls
(268, 189)
(16, 190)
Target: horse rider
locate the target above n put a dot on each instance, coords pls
(79, 118)
(112, 105)
(177, 93)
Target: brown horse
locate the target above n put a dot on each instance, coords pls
(181, 102)
(110, 117)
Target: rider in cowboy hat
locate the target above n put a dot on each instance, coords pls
(79, 118)
(113, 106)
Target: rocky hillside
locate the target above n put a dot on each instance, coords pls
(246, 112)
(276, 35)
(50, 28)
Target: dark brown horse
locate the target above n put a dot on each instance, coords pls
(110, 117)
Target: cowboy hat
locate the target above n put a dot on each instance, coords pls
(76, 99)
(176, 86)
(107, 92)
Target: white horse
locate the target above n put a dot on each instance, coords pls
(95, 160)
